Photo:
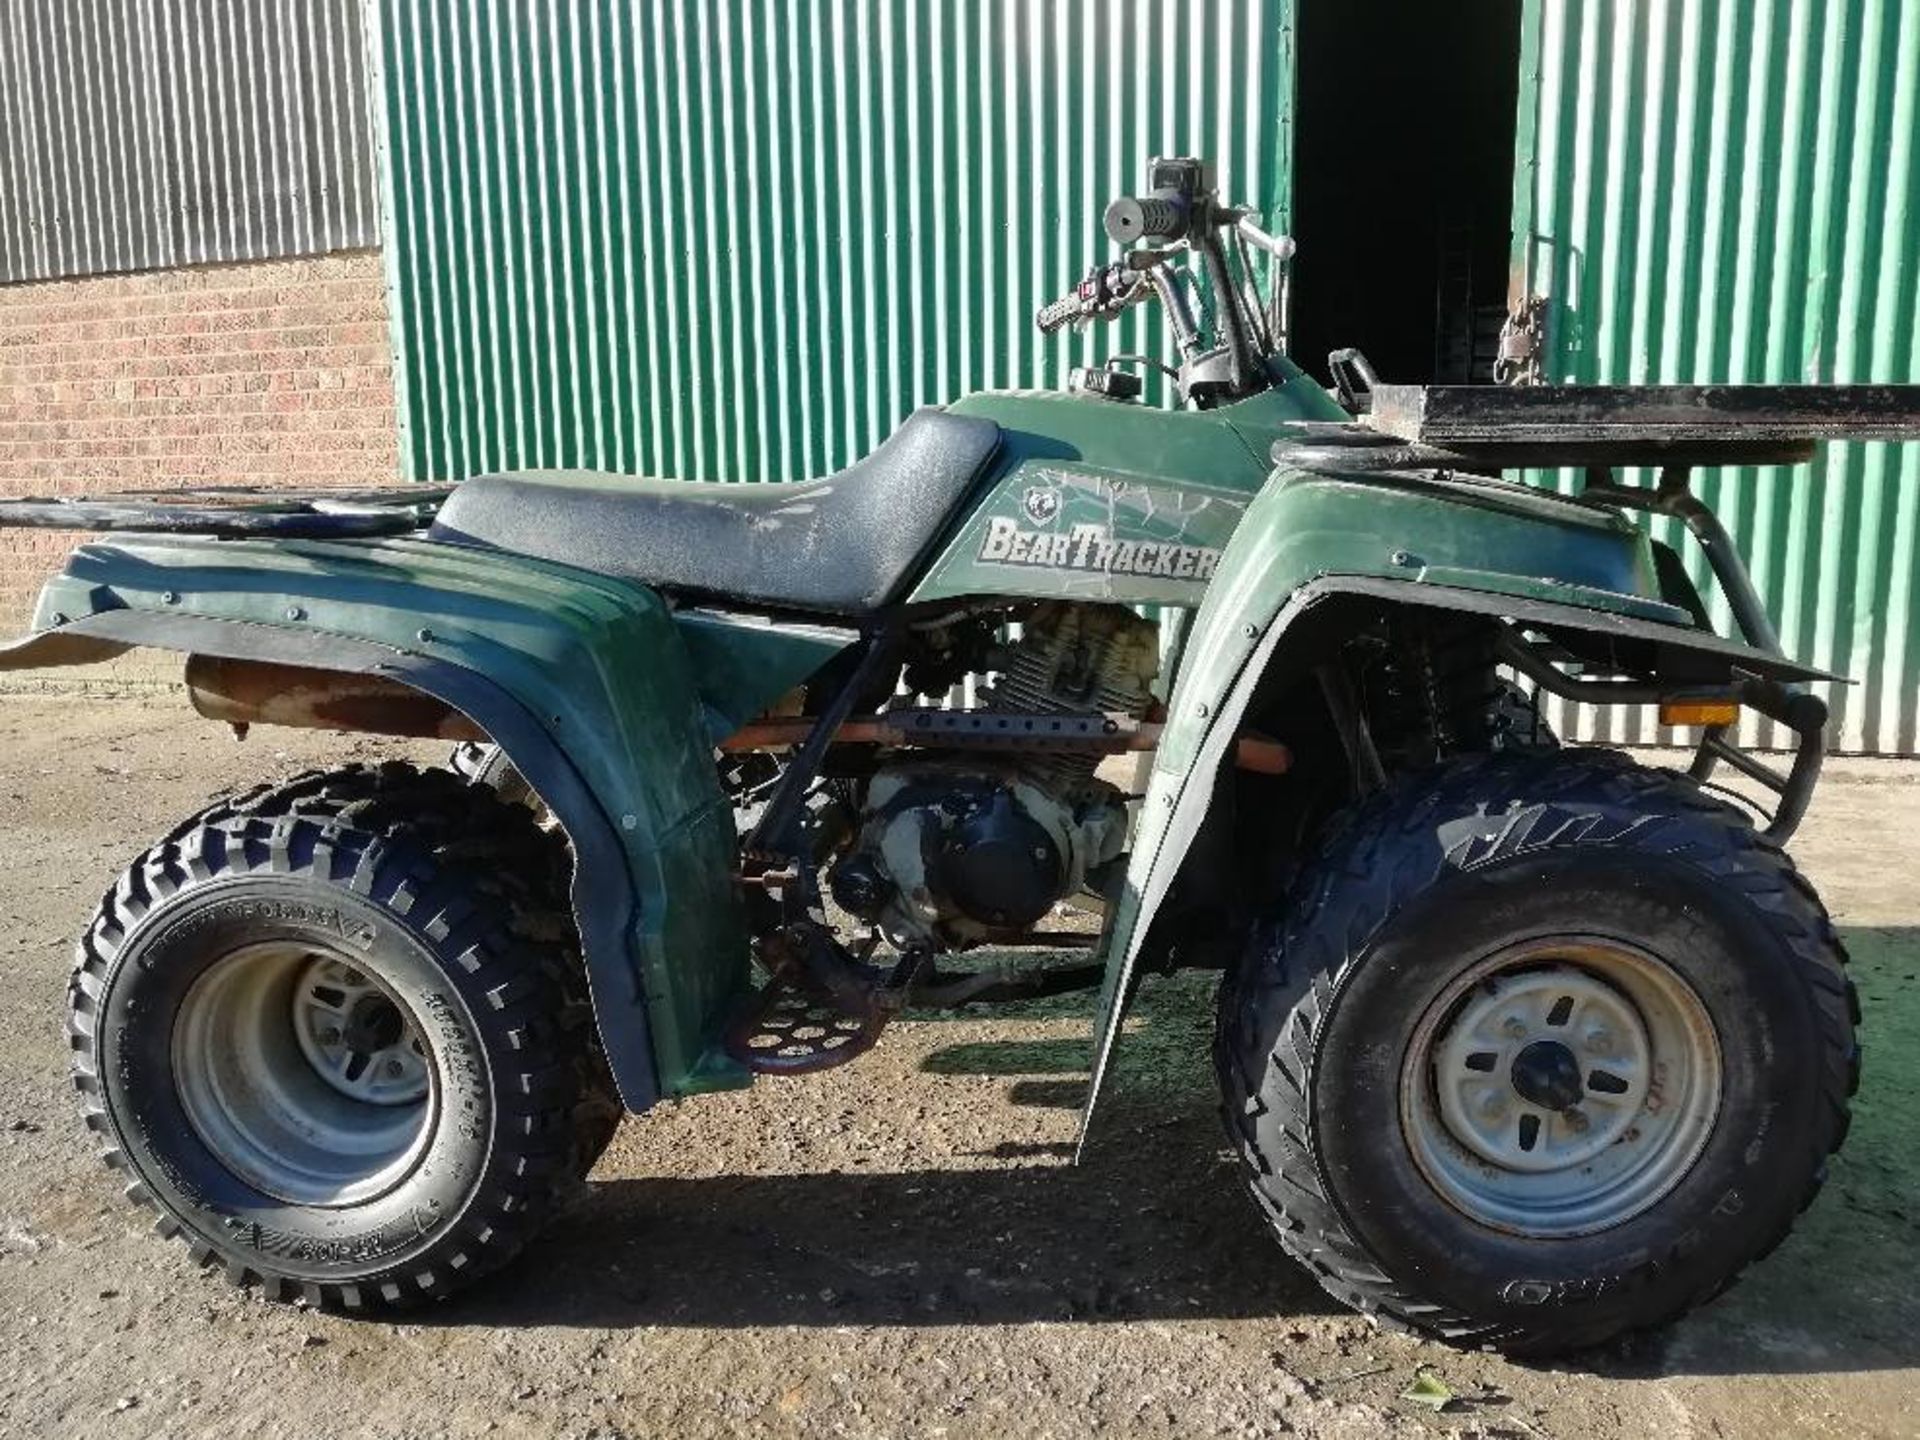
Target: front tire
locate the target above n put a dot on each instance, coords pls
(1546, 1049)
(326, 1030)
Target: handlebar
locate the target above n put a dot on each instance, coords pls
(1179, 214)
(1160, 219)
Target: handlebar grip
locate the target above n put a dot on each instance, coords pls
(1059, 314)
(1146, 217)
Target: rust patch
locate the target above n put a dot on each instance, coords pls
(259, 692)
(998, 730)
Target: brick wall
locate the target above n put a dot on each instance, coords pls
(276, 373)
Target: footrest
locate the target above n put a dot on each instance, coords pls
(785, 1031)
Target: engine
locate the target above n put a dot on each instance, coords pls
(953, 852)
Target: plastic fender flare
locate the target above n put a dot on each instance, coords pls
(1177, 801)
(603, 897)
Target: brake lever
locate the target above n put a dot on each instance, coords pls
(1280, 247)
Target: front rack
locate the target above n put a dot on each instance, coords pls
(1551, 426)
(236, 512)
(1601, 429)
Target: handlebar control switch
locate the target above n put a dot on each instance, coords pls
(1104, 293)
(1105, 382)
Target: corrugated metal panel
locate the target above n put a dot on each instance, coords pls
(142, 134)
(714, 240)
(1730, 190)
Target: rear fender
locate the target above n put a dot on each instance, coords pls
(1421, 541)
(584, 682)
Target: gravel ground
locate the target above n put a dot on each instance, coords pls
(893, 1249)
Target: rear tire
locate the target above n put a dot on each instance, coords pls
(487, 766)
(539, 852)
(1563, 936)
(330, 1032)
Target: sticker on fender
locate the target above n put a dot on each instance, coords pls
(1094, 548)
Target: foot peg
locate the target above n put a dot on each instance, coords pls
(785, 1031)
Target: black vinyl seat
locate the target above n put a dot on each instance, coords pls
(843, 544)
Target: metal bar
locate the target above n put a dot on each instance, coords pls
(1674, 497)
(1803, 713)
(1510, 650)
(1746, 764)
(774, 834)
(997, 730)
(1473, 416)
(1356, 739)
(225, 524)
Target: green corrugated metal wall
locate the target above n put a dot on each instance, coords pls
(716, 240)
(720, 240)
(1726, 190)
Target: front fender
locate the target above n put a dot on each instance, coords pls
(1454, 543)
(584, 681)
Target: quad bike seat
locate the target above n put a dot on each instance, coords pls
(843, 544)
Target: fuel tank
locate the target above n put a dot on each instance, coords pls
(1093, 499)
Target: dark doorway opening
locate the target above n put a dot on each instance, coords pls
(1403, 183)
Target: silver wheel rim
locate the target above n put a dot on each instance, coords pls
(332, 1001)
(1561, 1086)
(304, 1074)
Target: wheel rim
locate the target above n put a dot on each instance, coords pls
(305, 1074)
(356, 1037)
(1561, 1086)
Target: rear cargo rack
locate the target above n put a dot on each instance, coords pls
(236, 512)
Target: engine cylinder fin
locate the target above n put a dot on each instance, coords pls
(1076, 658)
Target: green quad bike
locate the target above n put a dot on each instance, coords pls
(1519, 1045)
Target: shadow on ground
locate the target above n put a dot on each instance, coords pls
(1154, 1226)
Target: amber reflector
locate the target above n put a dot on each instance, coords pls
(1699, 712)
